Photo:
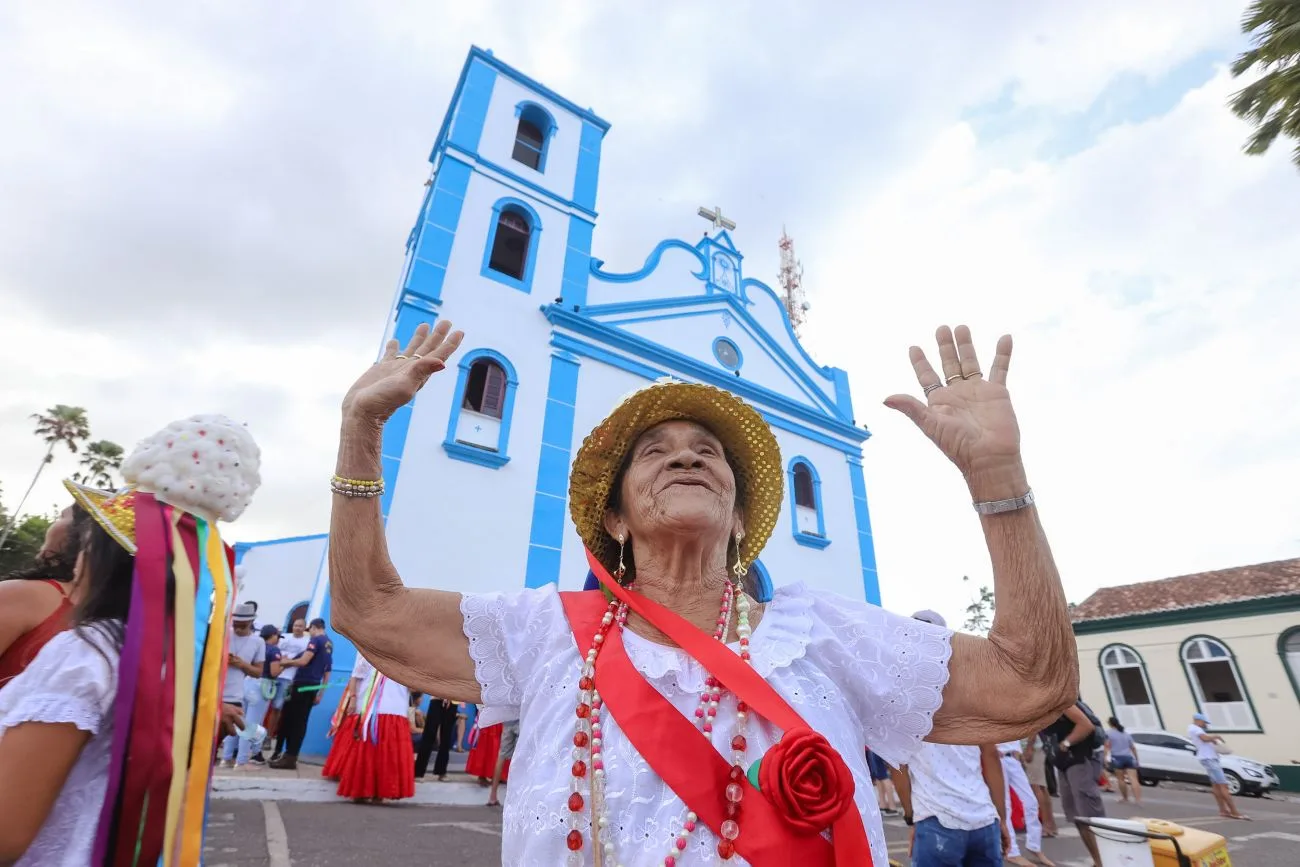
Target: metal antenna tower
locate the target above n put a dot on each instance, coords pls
(791, 280)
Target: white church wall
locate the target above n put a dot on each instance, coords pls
(279, 574)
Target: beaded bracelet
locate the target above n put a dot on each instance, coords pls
(357, 487)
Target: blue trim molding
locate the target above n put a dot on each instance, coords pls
(808, 540)
(471, 453)
(523, 209)
(577, 262)
(546, 538)
(862, 516)
(587, 177)
(740, 357)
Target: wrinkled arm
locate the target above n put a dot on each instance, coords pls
(414, 636)
(1026, 672)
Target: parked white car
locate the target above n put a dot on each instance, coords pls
(1167, 756)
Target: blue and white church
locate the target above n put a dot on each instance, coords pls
(476, 468)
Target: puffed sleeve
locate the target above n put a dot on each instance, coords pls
(511, 635)
(70, 681)
(891, 669)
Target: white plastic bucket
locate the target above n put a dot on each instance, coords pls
(1119, 849)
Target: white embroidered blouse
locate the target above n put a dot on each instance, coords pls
(859, 675)
(69, 681)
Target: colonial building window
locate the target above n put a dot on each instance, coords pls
(512, 241)
(1217, 686)
(807, 516)
(532, 135)
(478, 429)
(1129, 688)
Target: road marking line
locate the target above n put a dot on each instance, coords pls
(277, 838)
(480, 827)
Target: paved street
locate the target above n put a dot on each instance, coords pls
(251, 833)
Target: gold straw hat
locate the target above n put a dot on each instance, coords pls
(115, 512)
(749, 443)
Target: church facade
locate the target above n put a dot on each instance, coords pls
(476, 468)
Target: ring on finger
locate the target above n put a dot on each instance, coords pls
(403, 357)
(971, 375)
(949, 380)
(415, 356)
(934, 386)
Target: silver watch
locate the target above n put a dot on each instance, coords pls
(997, 507)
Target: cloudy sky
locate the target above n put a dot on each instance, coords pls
(203, 208)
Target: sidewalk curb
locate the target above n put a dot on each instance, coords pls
(323, 791)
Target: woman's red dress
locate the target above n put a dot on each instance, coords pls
(482, 758)
(367, 769)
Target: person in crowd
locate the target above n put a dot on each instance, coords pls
(375, 762)
(247, 653)
(418, 719)
(309, 685)
(292, 646)
(484, 747)
(1208, 756)
(439, 731)
(1013, 772)
(1036, 770)
(952, 799)
(1073, 743)
(886, 797)
(1122, 759)
(674, 494)
(343, 726)
(462, 716)
(106, 739)
(34, 603)
(269, 686)
(509, 740)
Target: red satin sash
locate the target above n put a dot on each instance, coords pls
(674, 748)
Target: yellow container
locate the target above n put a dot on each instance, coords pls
(1201, 848)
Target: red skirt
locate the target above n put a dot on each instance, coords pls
(482, 758)
(341, 746)
(377, 770)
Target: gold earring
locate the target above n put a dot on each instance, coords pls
(622, 569)
(740, 569)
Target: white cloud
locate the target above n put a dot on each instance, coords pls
(205, 209)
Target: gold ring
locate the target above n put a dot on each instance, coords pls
(415, 356)
(971, 375)
(399, 356)
(949, 380)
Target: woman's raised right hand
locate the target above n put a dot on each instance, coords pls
(393, 381)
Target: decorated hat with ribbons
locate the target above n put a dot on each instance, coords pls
(179, 483)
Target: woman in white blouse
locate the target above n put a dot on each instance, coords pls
(674, 719)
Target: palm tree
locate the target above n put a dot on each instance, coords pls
(59, 424)
(101, 459)
(1272, 102)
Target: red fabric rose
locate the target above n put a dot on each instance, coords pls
(806, 780)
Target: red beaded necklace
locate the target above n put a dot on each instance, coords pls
(588, 743)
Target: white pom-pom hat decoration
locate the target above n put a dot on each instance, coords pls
(205, 464)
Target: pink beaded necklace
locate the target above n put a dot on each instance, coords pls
(588, 744)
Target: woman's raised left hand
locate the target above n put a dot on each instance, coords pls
(967, 413)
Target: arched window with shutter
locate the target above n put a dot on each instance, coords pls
(1131, 698)
(1217, 685)
(513, 236)
(532, 135)
(478, 429)
(807, 517)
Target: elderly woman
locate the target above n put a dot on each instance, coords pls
(672, 719)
